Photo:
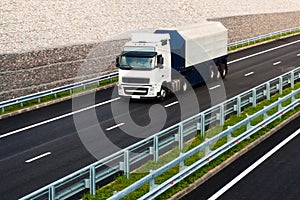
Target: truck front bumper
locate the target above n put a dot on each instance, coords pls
(141, 91)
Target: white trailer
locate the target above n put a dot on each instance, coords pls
(153, 64)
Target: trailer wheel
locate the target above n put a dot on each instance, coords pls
(222, 69)
(184, 85)
(214, 73)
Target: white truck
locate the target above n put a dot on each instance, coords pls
(152, 65)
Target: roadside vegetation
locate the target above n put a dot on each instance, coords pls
(122, 182)
(53, 97)
(263, 40)
(56, 96)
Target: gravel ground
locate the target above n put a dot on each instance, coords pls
(28, 25)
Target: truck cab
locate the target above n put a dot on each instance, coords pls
(144, 66)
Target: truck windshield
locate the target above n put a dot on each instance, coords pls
(137, 60)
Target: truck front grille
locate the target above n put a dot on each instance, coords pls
(135, 91)
(136, 80)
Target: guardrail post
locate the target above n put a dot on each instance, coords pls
(3, 109)
(152, 182)
(254, 98)
(71, 91)
(292, 80)
(248, 124)
(207, 148)
(155, 147)
(92, 180)
(293, 97)
(198, 127)
(268, 92)
(239, 106)
(229, 137)
(279, 105)
(280, 86)
(222, 114)
(126, 163)
(181, 164)
(51, 195)
(39, 100)
(21, 104)
(202, 125)
(265, 114)
(180, 136)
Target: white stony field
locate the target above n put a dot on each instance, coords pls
(36, 24)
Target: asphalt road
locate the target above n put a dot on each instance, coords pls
(277, 177)
(64, 144)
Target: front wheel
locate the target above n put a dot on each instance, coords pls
(163, 93)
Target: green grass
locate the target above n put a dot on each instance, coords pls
(52, 97)
(123, 182)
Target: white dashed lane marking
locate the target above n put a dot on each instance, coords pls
(277, 63)
(38, 157)
(115, 126)
(249, 74)
(215, 87)
(171, 104)
(57, 118)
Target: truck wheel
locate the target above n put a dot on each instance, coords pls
(211, 73)
(214, 74)
(163, 93)
(223, 70)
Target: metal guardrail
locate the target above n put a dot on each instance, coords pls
(55, 91)
(185, 171)
(259, 38)
(151, 148)
(39, 95)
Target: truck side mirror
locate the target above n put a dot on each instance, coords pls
(118, 61)
(160, 61)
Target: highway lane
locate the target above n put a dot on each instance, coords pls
(275, 177)
(61, 139)
(35, 116)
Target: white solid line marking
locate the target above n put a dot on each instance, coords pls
(115, 126)
(277, 63)
(215, 87)
(249, 74)
(253, 166)
(298, 55)
(38, 157)
(57, 118)
(262, 52)
(171, 104)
